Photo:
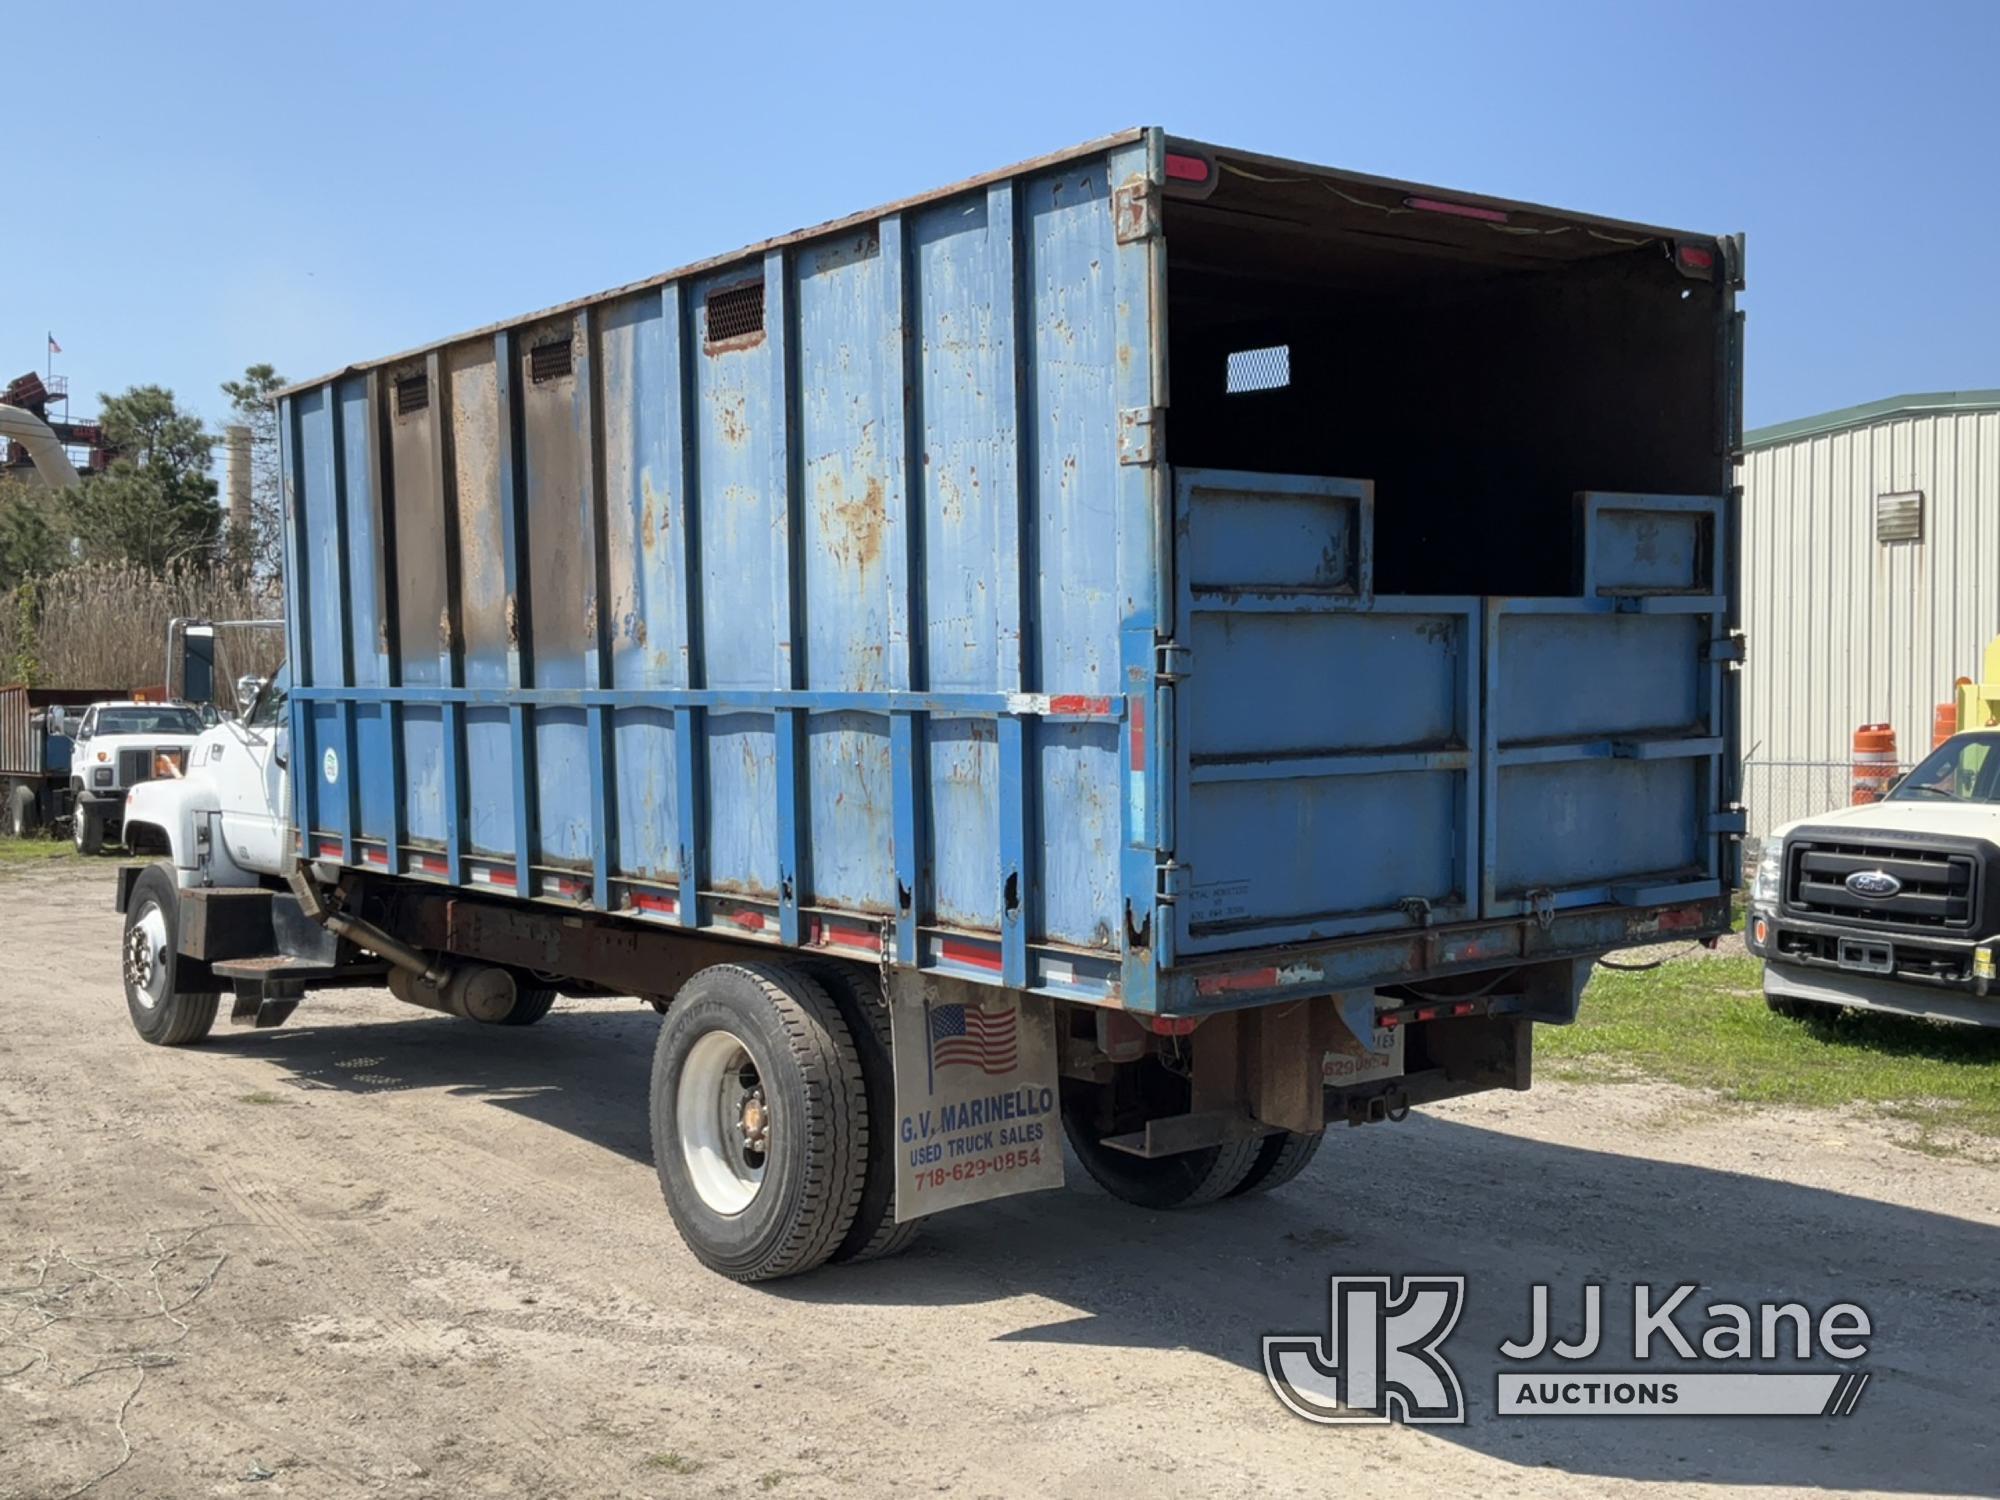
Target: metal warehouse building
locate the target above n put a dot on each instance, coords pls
(1871, 577)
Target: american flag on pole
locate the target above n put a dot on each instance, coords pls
(54, 347)
(969, 1036)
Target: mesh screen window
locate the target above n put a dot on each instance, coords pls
(1260, 369)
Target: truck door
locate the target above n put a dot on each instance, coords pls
(248, 762)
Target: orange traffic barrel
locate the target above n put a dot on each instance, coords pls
(1874, 762)
(1944, 723)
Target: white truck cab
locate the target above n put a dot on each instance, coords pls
(223, 820)
(1892, 905)
(116, 747)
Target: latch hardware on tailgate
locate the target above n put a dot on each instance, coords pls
(1140, 432)
(1135, 211)
(1175, 661)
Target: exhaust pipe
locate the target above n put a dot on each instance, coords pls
(476, 992)
(366, 935)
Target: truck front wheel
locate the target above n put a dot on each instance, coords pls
(759, 1120)
(162, 1011)
(87, 829)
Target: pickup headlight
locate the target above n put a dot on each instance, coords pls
(169, 762)
(1770, 875)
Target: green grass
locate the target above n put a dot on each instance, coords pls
(14, 852)
(260, 1097)
(1704, 1024)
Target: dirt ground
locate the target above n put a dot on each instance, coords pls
(381, 1252)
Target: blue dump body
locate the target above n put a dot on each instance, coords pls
(873, 590)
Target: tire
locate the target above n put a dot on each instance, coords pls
(875, 1234)
(163, 1012)
(531, 1003)
(1280, 1158)
(761, 1047)
(1185, 1180)
(24, 814)
(87, 829)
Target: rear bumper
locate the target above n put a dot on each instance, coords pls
(1268, 976)
(1879, 992)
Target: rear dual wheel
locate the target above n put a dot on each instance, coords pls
(760, 1120)
(1094, 1113)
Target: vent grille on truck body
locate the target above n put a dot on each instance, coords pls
(734, 312)
(549, 361)
(413, 394)
(1939, 888)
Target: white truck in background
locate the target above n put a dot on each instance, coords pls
(116, 747)
(1892, 905)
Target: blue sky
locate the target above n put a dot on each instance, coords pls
(311, 185)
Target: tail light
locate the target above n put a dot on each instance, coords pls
(1695, 261)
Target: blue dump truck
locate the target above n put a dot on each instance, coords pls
(1159, 644)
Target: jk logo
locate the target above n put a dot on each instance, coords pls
(1379, 1361)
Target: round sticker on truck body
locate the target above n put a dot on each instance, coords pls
(331, 765)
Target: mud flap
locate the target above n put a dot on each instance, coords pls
(976, 1100)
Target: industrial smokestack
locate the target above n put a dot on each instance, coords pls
(237, 441)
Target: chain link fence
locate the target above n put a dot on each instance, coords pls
(1775, 792)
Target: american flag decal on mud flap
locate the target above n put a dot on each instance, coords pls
(969, 1036)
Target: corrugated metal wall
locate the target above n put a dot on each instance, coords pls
(1843, 629)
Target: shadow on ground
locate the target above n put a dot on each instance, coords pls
(1427, 1196)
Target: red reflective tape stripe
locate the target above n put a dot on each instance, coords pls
(1138, 734)
(1186, 168)
(976, 955)
(1457, 210)
(647, 901)
(429, 865)
(1680, 919)
(376, 857)
(752, 920)
(502, 877)
(1077, 703)
(1249, 979)
(329, 851)
(844, 936)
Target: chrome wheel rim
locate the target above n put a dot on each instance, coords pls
(724, 1122)
(146, 956)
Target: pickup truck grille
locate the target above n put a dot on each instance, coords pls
(1940, 887)
(136, 765)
